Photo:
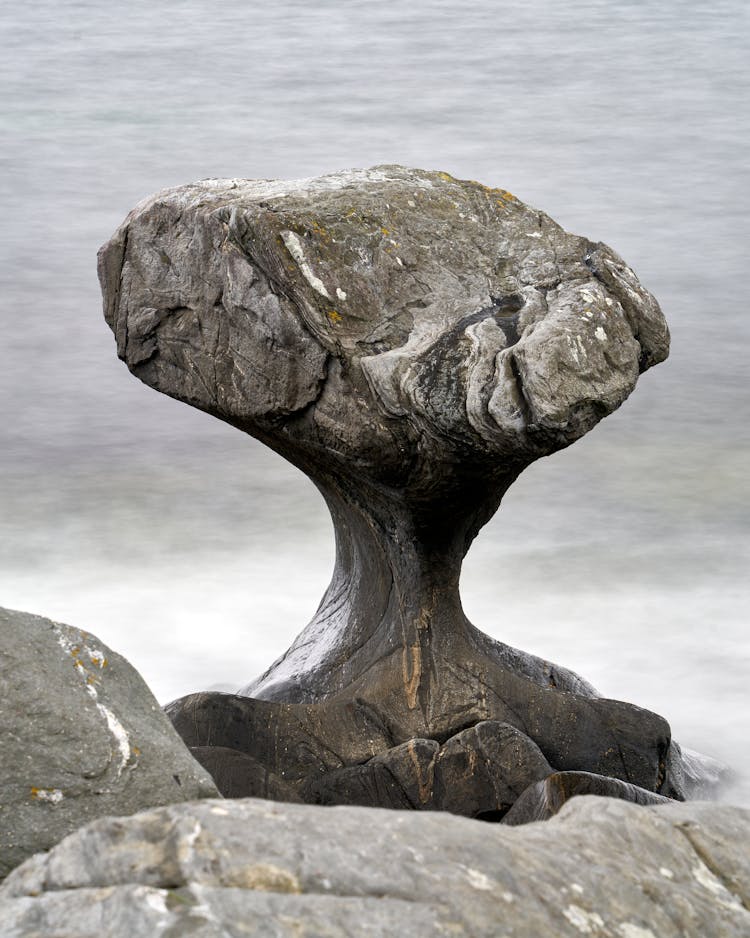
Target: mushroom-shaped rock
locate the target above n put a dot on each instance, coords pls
(412, 342)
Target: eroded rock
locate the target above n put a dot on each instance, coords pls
(412, 342)
(81, 736)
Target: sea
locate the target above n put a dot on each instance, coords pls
(199, 554)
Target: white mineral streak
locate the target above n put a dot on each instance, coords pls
(600, 334)
(586, 922)
(668, 874)
(294, 246)
(577, 348)
(52, 795)
(120, 735)
(714, 885)
(479, 880)
(156, 900)
(629, 930)
(186, 841)
(341, 294)
(77, 650)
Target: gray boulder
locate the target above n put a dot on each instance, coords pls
(255, 869)
(81, 736)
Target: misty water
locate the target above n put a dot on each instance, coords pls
(199, 554)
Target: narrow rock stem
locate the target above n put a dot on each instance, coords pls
(394, 593)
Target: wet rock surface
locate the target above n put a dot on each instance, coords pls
(81, 736)
(601, 867)
(543, 799)
(479, 773)
(351, 752)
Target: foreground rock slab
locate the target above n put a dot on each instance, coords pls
(81, 736)
(256, 869)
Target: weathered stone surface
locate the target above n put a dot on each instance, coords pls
(601, 867)
(81, 736)
(411, 341)
(543, 799)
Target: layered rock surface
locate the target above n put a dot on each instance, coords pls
(601, 868)
(81, 736)
(412, 342)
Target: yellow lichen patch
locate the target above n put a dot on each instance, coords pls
(263, 877)
(334, 316)
(508, 196)
(446, 176)
(384, 231)
(321, 232)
